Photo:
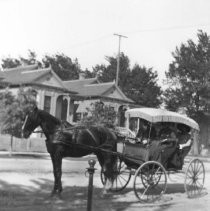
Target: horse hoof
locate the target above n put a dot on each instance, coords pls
(105, 193)
(53, 193)
(59, 196)
(56, 195)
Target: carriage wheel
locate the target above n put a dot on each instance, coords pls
(150, 182)
(122, 176)
(194, 178)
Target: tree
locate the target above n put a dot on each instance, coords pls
(32, 59)
(88, 74)
(138, 83)
(142, 87)
(100, 114)
(13, 111)
(188, 77)
(63, 65)
(10, 62)
(6, 99)
(108, 73)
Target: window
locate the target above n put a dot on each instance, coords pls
(47, 103)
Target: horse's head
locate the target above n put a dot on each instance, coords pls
(31, 122)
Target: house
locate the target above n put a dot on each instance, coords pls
(91, 90)
(67, 100)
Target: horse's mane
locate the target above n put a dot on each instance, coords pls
(49, 117)
(55, 120)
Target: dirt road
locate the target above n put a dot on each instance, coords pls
(26, 183)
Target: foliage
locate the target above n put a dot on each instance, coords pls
(138, 83)
(13, 110)
(108, 73)
(188, 77)
(100, 114)
(15, 62)
(6, 99)
(142, 87)
(10, 62)
(63, 65)
(88, 74)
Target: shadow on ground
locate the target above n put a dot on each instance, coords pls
(27, 198)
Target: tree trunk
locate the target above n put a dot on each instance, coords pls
(28, 146)
(195, 146)
(11, 145)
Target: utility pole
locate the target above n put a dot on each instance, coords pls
(118, 58)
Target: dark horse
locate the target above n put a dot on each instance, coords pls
(61, 142)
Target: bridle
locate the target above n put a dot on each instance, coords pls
(24, 124)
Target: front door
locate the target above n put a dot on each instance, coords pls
(61, 108)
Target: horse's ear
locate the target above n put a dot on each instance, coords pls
(35, 108)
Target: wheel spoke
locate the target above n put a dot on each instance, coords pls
(190, 173)
(120, 177)
(190, 183)
(159, 189)
(201, 172)
(195, 165)
(194, 178)
(198, 170)
(191, 166)
(145, 191)
(152, 182)
(199, 184)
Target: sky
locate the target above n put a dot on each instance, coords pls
(84, 29)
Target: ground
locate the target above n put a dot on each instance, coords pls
(26, 183)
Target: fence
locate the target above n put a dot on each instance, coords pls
(22, 145)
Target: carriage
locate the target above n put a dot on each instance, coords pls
(152, 157)
(153, 144)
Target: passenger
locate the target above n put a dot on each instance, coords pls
(143, 130)
(184, 143)
(166, 129)
(146, 131)
(163, 150)
(185, 139)
(165, 133)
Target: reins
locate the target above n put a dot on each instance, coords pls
(64, 129)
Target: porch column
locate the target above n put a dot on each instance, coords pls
(40, 99)
(68, 108)
(53, 103)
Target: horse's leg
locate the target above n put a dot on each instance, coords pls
(108, 165)
(54, 173)
(57, 171)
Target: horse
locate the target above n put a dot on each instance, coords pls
(64, 141)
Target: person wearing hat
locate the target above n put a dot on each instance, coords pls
(184, 138)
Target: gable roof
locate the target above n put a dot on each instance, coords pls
(31, 74)
(78, 85)
(22, 75)
(91, 87)
(96, 89)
